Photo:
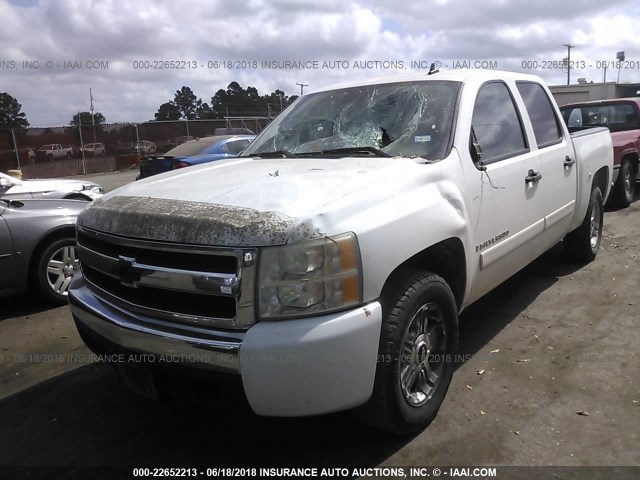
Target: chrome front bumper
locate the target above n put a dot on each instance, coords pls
(293, 368)
(129, 333)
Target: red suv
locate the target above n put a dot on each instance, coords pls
(622, 117)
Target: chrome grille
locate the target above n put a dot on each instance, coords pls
(185, 284)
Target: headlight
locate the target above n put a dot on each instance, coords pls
(310, 277)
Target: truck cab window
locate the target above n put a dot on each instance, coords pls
(543, 119)
(496, 124)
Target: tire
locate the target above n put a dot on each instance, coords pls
(624, 188)
(403, 400)
(50, 158)
(55, 267)
(583, 243)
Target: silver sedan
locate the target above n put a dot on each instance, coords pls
(37, 246)
(12, 188)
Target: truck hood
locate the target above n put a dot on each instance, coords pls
(294, 187)
(249, 202)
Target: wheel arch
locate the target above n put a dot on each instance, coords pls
(446, 259)
(601, 180)
(77, 196)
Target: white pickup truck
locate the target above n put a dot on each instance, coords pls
(326, 266)
(53, 151)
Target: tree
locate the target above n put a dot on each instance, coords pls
(11, 115)
(187, 102)
(205, 112)
(168, 111)
(86, 120)
(236, 101)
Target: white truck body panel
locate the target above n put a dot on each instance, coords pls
(397, 208)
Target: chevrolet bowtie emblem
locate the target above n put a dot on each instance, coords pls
(129, 275)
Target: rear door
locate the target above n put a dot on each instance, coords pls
(511, 206)
(558, 184)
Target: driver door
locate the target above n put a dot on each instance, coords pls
(511, 210)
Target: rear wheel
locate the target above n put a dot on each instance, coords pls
(583, 243)
(418, 339)
(624, 188)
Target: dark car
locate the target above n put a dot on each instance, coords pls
(195, 152)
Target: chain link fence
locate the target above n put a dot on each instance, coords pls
(46, 152)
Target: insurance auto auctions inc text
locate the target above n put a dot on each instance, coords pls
(379, 472)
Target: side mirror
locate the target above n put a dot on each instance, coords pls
(476, 155)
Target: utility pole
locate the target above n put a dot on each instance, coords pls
(620, 59)
(93, 118)
(15, 148)
(84, 167)
(302, 85)
(569, 47)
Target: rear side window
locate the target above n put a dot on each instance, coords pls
(573, 117)
(234, 147)
(496, 123)
(617, 117)
(543, 119)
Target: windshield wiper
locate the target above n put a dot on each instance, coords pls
(371, 151)
(274, 153)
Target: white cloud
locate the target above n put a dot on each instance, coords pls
(123, 31)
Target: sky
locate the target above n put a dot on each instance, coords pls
(112, 46)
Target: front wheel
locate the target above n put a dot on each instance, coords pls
(583, 243)
(418, 340)
(55, 269)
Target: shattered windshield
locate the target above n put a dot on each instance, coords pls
(408, 119)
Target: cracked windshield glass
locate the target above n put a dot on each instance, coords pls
(409, 119)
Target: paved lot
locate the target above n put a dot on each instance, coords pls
(110, 180)
(555, 340)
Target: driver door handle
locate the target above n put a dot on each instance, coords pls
(568, 161)
(532, 176)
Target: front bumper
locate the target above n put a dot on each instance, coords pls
(90, 193)
(287, 368)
